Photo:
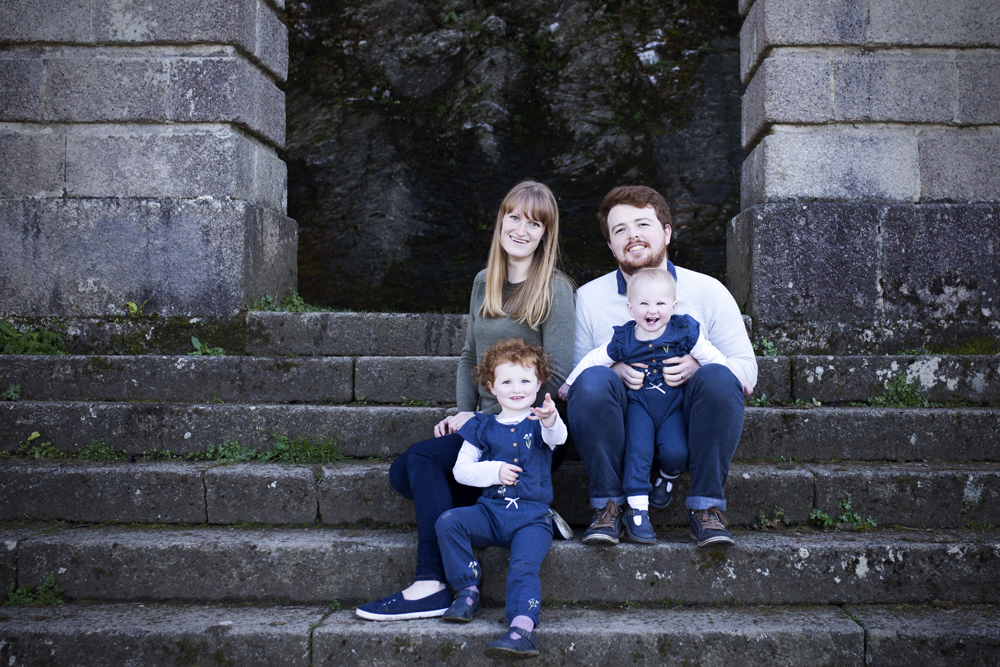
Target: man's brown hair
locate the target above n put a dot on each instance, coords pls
(633, 195)
(515, 351)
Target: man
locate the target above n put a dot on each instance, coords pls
(635, 221)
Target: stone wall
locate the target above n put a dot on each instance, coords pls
(871, 195)
(138, 156)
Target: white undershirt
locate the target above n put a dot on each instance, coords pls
(469, 470)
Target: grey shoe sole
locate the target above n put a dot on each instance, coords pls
(715, 540)
(600, 539)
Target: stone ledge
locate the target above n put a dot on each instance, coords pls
(935, 22)
(909, 275)
(267, 493)
(251, 25)
(110, 251)
(183, 379)
(388, 379)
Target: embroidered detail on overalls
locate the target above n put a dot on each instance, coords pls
(502, 490)
(527, 440)
(658, 387)
(512, 501)
(532, 603)
(473, 565)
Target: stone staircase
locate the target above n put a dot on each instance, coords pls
(194, 562)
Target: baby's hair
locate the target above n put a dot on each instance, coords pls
(651, 275)
(515, 351)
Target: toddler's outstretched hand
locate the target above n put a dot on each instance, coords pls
(508, 473)
(546, 412)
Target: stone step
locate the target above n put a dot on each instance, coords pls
(120, 634)
(918, 495)
(809, 434)
(317, 565)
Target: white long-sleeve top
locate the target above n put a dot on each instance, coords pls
(469, 470)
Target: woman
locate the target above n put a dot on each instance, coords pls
(520, 294)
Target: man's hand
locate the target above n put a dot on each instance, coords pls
(546, 413)
(632, 376)
(678, 370)
(451, 424)
(508, 474)
(563, 392)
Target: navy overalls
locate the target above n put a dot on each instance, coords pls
(654, 422)
(514, 517)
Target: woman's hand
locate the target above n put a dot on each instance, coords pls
(563, 392)
(546, 412)
(632, 376)
(678, 370)
(451, 424)
(508, 473)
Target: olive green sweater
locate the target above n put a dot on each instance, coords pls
(555, 334)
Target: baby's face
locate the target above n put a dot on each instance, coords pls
(651, 305)
(515, 386)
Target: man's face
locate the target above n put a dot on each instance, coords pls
(638, 240)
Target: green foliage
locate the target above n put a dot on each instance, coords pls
(304, 449)
(762, 402)
(134, 311)
(986, 346)
(811, 403)
(228, 452)
(415, 402)
(765, 348)
(205, 350)
(38, 450)
(820, 519)
(901, 394)
(292, 303)
(35, 341)
(853, 518)
(450, 17)
(98, 450)
(776, 520)
(13, 392)
(47, 594)
(157, 455)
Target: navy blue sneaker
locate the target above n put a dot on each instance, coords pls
(662, 493)
(606, 527)
(464, 607)
(639, 527)
(514, 643)
(397, 608)
(708, 528)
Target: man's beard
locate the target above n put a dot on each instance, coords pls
(650, 262)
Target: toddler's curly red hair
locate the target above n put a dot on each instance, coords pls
(515, 351)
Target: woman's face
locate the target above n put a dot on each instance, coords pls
(520, 235)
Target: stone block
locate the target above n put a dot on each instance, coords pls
(174, 162)
(136, 427)
(870, 434)
(32, 163)
(978, 88)
(183, 379)
(745, 6)
(46, 21)
(773, 23)
(791, 86)
(148, 634)
(95, 492)
(186, 257)
(223, 90)
(912, 494)
(832, 163)
(905, 86)
(388, 379)
(592, 637)
(773, 378)
(938, 378)
(360, 334)
(911, 275)
(960, 165)
(360, 492)
(272, 41)
(929, 636)
(106, 89)
(23, 83)
(934, 22)
(10, 538)
(261, 494)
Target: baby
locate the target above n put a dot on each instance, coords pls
(510, 456)
(655, 417)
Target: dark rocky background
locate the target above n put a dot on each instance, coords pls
(408, 120)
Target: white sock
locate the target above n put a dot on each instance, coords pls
(638, 502)
(666, 476)
(421, 589)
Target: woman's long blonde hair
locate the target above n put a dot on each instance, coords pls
(531, 302)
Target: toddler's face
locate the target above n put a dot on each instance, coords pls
(515, 386)
(651, 305)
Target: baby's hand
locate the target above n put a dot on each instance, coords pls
(563, 392)
(546, 412)
(508, 473)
